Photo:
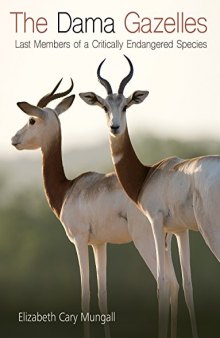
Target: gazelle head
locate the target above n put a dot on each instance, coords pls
(43, 125)
(115, 105)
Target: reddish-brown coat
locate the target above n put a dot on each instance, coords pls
(130, 171)
(55, 182)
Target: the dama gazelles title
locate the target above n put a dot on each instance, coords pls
(133, 23)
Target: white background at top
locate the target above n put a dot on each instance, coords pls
(184, 85)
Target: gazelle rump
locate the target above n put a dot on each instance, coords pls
(165, 192)
(93, 207)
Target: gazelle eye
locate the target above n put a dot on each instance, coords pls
(124, 109)
(105, 109)
(32, 121)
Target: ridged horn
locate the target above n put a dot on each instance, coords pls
(52, 96)
(127, 78)
(104, 82)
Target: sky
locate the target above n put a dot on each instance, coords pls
(183, 85)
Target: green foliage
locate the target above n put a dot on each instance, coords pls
(151, 149)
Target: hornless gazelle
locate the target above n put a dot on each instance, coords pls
(175, 195)
(93, 207)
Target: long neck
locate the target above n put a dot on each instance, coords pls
(55, 182)
(130, 171)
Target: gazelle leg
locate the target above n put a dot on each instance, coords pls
(83, 257)
(162, 280)
(100, 261)
(174, 287)
(184, 253)
(146, 247)
(143, 240)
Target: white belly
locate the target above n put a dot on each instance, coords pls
(103, 219)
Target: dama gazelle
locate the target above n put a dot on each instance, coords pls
(175, 195)
(93, 207)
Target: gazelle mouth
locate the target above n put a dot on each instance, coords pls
(15, 144)
(114, 131)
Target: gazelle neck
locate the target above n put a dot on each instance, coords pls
(55, 182)
(130, 171)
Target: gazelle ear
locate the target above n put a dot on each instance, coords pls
(137, 97)
(64, 104)
(31, 110)
(92, 99)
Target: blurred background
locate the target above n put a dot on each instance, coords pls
(38, 265)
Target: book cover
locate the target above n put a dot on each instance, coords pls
(174, 49)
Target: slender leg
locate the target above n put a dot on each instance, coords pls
(83, 257)
(143, 239)
(184, 253)
(174, 287)
(100, 261)
(162, 280)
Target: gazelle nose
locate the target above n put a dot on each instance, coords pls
(14, 141)
(114, 128)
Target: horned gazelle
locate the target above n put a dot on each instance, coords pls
(93, 207)
(175, 195)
